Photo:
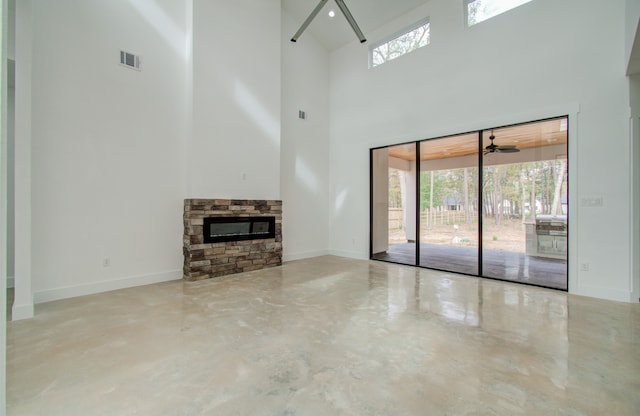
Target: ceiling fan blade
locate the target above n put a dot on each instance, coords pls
(351, 20)
(306, 23)
(509, 149)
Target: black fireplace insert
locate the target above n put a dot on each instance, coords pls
(223, 229)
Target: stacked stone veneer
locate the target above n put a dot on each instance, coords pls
(204, 261)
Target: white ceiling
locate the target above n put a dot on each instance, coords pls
(335, 32)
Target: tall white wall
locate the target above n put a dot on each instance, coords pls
(633, 53)
(632, 14)
(235, 148)
(3, 203)
(540, 60)
(304, 176)
(23, 292)
(106, 145)
(10, 139)
(10, 111)
(634, 88)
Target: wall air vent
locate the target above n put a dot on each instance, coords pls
(130, 60)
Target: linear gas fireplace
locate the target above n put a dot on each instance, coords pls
(226, 236)
(221, 229)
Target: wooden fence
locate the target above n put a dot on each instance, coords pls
(441, 215)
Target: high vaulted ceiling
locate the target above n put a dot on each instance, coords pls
(335, 32)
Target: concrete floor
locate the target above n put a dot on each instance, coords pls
(327, 336)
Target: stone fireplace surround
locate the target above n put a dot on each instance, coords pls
(204, 261)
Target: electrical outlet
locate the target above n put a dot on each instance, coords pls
(592, 202)
(106, 262)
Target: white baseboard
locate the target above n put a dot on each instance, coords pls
(23, 311)
(105, 286)
(604, 293)
(349, 254)
(10, 282)
(304, 255)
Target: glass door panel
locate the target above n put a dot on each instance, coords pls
(524, 203)
(393, 202)
(449, 203)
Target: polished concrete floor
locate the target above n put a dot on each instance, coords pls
(327, 336)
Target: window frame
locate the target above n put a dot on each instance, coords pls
(396, 35)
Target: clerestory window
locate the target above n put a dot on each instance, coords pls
(481, 10)
(408, 40)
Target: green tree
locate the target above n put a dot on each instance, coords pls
(395, 194)
(473, 8)
(401, 45)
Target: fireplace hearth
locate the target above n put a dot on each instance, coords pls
(226, 236)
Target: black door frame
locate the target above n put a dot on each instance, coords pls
(480, 133)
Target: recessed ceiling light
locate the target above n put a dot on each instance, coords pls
(332, 13)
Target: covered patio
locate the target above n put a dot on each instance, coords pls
(505, 265)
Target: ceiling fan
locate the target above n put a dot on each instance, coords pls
(345, 12)
(494, 148)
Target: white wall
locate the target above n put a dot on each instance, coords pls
(540, 60)
(110, 153)
(235, 149)
(10, 139)
(3, 203)
(10, 111)
(633, 52)
(23, 293)
(11, 27)
(107, 173)
(634, 88)
(304, 175)
(632, 14)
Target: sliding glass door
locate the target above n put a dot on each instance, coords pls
(393, 205)
(490, 203)
(449, 203)
(525, 188)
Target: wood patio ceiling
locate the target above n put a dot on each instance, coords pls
(536, 134)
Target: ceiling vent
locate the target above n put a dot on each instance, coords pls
(130, 60)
